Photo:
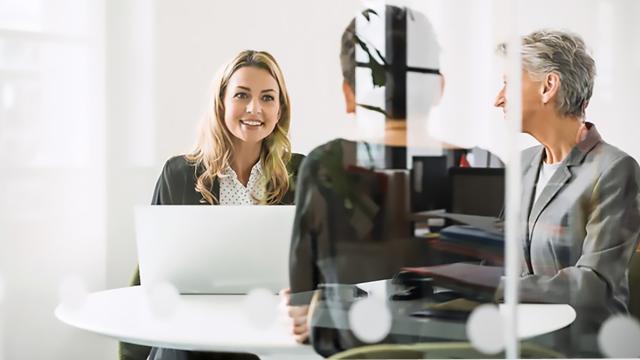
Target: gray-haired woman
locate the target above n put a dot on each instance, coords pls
(581, 198)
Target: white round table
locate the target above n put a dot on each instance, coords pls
(539, 319)
(220, 323)
(199, 322)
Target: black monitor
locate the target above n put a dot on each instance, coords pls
(429, 183)
(476, 191)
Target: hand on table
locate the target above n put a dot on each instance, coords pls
(298, 315)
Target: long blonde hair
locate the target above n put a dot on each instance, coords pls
(214, 147)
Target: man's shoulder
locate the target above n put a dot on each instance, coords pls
(295, 161)
(293, 166)
(332, 147)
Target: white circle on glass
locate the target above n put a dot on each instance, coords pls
(261, 308)
(484, 329)
(370, 319)
(619, 337)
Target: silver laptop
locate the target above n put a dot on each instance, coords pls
(214, 249)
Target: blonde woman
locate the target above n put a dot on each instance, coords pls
(242, 156)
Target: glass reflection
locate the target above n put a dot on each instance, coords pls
(366, 206)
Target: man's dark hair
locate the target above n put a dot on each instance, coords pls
(389, 70)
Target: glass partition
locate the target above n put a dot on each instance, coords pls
(469, 187)
(459, 215)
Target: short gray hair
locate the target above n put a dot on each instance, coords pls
(564, 53)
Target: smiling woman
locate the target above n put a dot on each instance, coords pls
(242, 157)
(250, 101)
(246, 131)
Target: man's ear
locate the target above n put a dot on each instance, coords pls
(550, 87)
(349, 97)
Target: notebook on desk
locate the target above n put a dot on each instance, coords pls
(490, 224)
(467, 234)
(479, 236)
(478, 282)
(214, 249)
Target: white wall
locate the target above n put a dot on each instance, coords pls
(194, 40)
(52, 174)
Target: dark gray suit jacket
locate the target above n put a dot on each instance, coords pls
(581, 232)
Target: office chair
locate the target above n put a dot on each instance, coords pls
(438, 350)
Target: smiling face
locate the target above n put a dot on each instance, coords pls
(251, 104)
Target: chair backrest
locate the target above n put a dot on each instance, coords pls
(438, 350)
(634, 285)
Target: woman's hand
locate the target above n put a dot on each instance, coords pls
(298, 315)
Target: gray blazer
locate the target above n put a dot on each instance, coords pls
(581, 232)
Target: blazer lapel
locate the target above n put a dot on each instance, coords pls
(590, 139)
(529, 177)
(557, 181)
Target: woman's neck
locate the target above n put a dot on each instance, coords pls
(245, 156)
(558, 140)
